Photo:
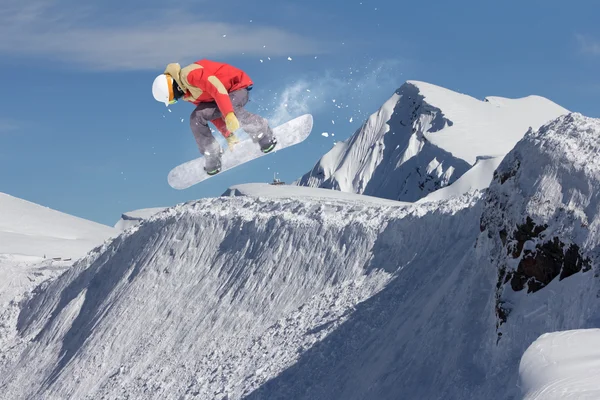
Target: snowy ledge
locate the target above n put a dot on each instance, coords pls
(562, 365)
(263, 190)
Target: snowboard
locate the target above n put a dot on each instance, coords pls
(288, 134)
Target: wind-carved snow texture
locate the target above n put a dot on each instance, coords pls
(308, 298)
(219, 296)
(424, 138)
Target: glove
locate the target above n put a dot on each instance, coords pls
(232, 122)
(232, 140)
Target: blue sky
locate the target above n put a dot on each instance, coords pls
(81, 133)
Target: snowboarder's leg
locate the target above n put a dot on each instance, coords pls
(207, 144)
(254, 125)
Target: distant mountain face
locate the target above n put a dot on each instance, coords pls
(29, 229)
(424, 138)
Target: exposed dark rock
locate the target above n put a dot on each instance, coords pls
(523, 233)
(539, 267)
(504, 176)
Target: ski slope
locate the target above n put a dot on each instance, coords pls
(424, 138)
(32, 230)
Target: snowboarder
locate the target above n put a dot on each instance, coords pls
(220, 92)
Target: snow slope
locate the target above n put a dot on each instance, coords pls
(291, 296)
(32, 230)
(133, 218)
(562, 365)
(216, 297)
(478, 177)
(424, 138)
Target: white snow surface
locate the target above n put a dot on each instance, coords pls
(133, 218)
(303, 295)
(19, 276)
(562, 365)
(424, 138)
(264, 190)
(29, 229)
(477, 178)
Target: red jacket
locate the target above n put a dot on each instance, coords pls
(216, 80)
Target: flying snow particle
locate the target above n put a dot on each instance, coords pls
(351, 119)
(333, 134)
(289, 58)
(262, 61)
(325, 134)
(333, 122)
(224, 35)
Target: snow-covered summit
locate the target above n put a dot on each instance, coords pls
(424, 138)
(29, 229)
(541, 225)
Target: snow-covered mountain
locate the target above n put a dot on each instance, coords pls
(541, 223)
(134, 218)
(294, 293)
(424, 138)
(32, 230)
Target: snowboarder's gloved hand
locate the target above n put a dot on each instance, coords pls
(232, 122)
(232, 140)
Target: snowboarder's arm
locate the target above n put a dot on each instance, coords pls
(213, 86)
(220, 124)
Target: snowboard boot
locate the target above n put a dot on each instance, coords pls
(212, 162)
(267, 143)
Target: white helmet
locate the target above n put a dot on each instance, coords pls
(162, 89)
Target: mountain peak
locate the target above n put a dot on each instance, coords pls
(542, 215)
(424, 138)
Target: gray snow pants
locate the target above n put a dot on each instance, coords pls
(254, 125)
